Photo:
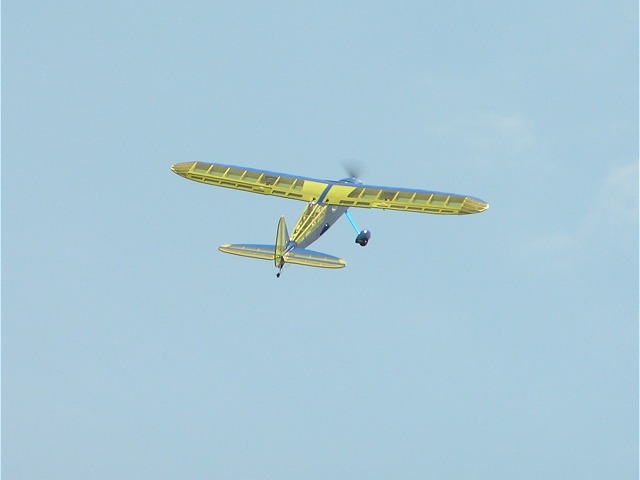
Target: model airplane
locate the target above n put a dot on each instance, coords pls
(327, 201)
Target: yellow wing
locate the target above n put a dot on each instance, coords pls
(345, 194)
(253, 180)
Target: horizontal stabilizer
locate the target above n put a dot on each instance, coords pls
(263, 252)
(296, 256)
(301, 256)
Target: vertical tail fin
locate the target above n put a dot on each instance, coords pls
(282, 238)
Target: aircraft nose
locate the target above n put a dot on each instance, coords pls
(182, 168)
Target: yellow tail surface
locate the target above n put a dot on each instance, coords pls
(279, 254)
(282, 238)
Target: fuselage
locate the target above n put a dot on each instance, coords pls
(317, 218)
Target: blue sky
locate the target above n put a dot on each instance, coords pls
(500, 345)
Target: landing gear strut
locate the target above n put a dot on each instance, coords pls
(363, 236)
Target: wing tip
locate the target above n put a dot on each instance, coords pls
(182, 169)
(473, 205)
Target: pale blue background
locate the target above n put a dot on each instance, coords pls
(502, 345)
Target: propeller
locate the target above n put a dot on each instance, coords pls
(353, 167)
